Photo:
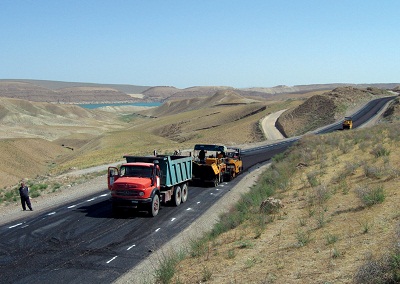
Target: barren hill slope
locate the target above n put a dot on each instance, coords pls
(21, 118)
(27, 158)
(73, 94)
(32, 134)
(219, 98)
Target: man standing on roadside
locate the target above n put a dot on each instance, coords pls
(24, 194)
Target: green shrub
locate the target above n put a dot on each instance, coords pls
(331, 239)
(380, 151)
(312, 178)
(303, 237)
(372, 171)
(371, 195)
(199, 247)
(167, 266)
(386, 269)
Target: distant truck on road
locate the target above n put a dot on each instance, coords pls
(143, 183)
(347, 123)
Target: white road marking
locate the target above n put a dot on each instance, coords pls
(112, 259)
(158, 229)
(90, 199)
(72, 206)
(198, 202)
(51, 213)
(103, 195)
(173, 219)
(189, 209)
(16, 225)
(130, 247)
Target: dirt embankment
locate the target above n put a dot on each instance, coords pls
(320, 110)
(393, 111)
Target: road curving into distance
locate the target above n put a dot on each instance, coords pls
(262, 153)
(82, 242)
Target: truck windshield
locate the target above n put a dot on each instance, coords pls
(136, 171)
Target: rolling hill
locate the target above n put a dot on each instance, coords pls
(76, 92)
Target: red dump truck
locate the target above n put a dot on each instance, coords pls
(143, 183)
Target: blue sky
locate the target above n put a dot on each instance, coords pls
(184, 43)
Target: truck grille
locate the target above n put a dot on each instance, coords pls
(127, 193)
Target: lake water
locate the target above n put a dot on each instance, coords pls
(93, 106)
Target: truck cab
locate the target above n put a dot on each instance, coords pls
(134, 185)
(347, 123)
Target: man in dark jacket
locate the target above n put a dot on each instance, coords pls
(24, 194)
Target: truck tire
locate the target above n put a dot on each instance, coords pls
(155, 205)
(115, 210)
(185, 192)
(177, 198)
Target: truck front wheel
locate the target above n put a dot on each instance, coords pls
(115, 209)
(155, 205)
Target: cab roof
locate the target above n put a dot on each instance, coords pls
(210, 147)
(141, 164)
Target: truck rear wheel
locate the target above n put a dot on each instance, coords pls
(185, 192)
(177, 198)
(155, 205)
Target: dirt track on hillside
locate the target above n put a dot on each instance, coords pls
(268, 126)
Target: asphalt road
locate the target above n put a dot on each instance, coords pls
(82, 242)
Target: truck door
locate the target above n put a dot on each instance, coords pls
(112, 176)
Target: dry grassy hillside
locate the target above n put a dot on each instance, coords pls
(214, 119)
(320, 110)
(26, 91)
(340, 220)
(27, 158)
(222, 97)
(50, 126)
(21, 118)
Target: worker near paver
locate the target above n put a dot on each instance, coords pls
(202, 155)
(24, 194)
